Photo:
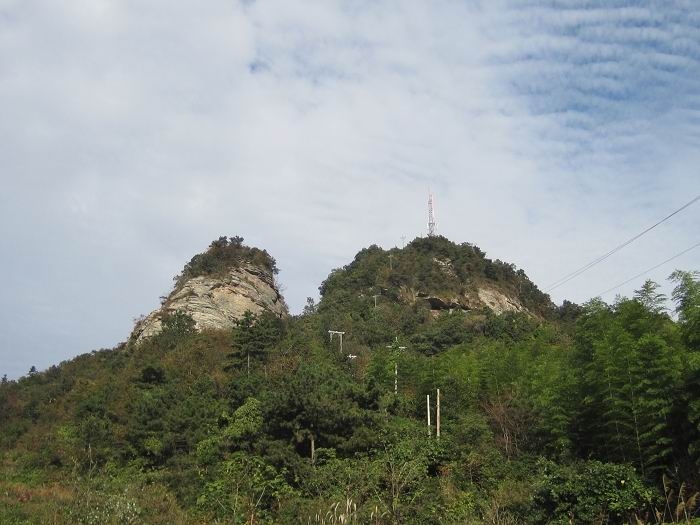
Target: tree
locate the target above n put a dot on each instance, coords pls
(631, 373)
(253, 337)
(650, 298)
(179, 323)
(310, 307)
(315, 407)
(177, 326)
(686, 295)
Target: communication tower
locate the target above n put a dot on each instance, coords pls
(432, 225)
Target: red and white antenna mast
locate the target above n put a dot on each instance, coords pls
(432, 225)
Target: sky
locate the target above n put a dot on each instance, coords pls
(134, 133)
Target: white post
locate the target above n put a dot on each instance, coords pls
(437, 416)
(428, 404)
(396, 378)
(331, 333)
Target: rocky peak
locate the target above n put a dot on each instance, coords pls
(234, 279)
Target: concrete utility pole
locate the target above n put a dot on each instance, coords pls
(427, 397)
(393, 346)
(375, 299)
(396, 373)
(403, 242)
(391, 257)
(437, 416)
(396, 378)
(340, 334)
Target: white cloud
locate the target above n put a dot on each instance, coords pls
(133, 134)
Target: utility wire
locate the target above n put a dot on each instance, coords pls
(600, 259)
(649, 270)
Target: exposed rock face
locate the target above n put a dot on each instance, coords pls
(216, 302)
(484, 296)
(480, 297)
(498, 301)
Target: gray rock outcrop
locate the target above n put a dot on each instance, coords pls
(217, 302)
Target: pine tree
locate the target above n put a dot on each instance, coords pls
(253, 337)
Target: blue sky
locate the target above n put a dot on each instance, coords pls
(133, 134)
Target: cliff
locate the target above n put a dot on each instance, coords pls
(217, 287)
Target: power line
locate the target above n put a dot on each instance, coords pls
(600, 259)
(649, 270)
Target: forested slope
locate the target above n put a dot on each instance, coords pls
(574, 414)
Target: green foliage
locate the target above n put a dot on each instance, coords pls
(432, 266)
(589, 492)
(632, 368)
(317, 406)
(244, 490)
(253, 337)
(247, 420)
(542, 417)
(177, 326)
(449, 329)
(222, 255)
(686, 295)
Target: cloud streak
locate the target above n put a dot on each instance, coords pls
(134, 134)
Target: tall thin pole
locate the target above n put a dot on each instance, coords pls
(396, 378)
(428, 405)
(391, 266)
(437, 416)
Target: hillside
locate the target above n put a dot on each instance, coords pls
(442, 275)
(575, 414)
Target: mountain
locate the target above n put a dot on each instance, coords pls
(577, 414)
(440, 274)
(217, 287)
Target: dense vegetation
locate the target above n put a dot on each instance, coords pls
(223, 254)
(435, 266)
(589, 414)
